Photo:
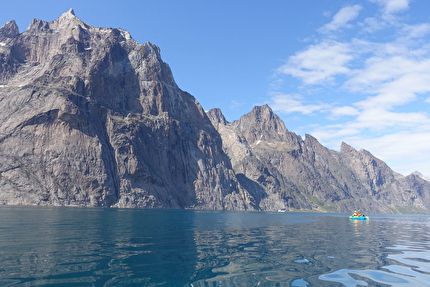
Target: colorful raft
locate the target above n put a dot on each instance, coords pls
(359, 217)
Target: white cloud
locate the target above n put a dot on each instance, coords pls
(345, 15)
(319, 63)
(379, 119)
(392, 6)
(416, 31)
(403, 151)
(330, 134)
(327, 13)
(343, 111)
(383, 72)
(235, 104)
(294, 103)
(276, 83)
(394, 80)
(371, 25)
(374, 121)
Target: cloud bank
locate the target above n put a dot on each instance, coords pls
(384, 82)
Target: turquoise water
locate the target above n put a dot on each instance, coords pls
(62, 246)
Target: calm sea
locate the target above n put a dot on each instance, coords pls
(62, 246)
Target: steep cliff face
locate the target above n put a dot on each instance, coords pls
(281, 170)
(89, 117)
(92, 118)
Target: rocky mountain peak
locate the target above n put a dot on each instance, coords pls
(90, 117)
(262, 114)
(67, 16)
(311, 140)
(64, 25)
(346, 148)
(69, 13)
(312, 143)
(9, 30)
(420, 175)
(216, 116)
(68, 20)
(37, 24)
(262, 124)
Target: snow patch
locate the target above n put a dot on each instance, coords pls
(125, 34)
(2, 44)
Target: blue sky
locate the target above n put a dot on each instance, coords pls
(340, 70)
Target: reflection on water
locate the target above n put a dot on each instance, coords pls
(408, 265)
(117, 247)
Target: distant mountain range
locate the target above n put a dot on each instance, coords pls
(283, 171)
(89, 117)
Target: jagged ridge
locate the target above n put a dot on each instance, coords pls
(282, 171)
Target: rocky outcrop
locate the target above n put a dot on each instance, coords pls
(8, 31)
(283, 171)
(92, 118)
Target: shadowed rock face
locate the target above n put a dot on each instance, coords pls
(283, 171)
(89, 117)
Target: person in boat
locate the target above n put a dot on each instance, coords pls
(357, 213)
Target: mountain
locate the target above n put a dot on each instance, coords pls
(89, 117)
(283, 171)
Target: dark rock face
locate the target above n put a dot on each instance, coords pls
(92, 118)
(282, 171)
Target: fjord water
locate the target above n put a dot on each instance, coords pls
(62, 246)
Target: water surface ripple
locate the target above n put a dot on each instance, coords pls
(49, 246)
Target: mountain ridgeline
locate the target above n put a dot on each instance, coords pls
(283, 171)
(89, 117)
